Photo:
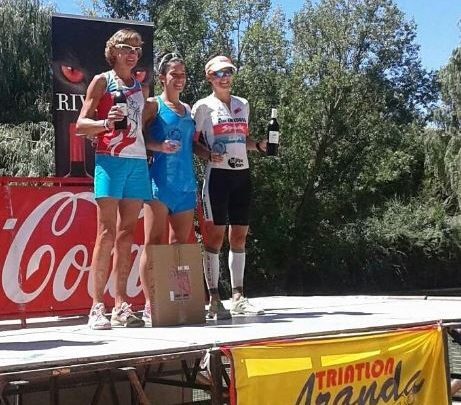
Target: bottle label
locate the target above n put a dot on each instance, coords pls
(274, 137)
(123, 107)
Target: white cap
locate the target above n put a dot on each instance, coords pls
(218, 63)
(274, 113)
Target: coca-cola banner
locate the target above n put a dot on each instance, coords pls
(78, 45)
(47, 235)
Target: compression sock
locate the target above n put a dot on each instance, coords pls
(237, 268)
(211, 269)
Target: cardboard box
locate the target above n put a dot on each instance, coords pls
(177, 289)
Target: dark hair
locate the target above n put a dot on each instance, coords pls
(166, 59)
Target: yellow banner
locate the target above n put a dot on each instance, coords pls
(403, 368)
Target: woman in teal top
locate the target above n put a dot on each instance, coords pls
(169, 131)
(173, 173)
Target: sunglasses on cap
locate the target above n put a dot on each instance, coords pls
(166, 58)
(129, 49)
(223, 73)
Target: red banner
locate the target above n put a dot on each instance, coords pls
(47, 234)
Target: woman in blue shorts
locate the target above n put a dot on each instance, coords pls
(169, 134)
(121, 181)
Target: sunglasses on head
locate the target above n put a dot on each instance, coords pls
(166, 58)
(223, 73)
(129, 49)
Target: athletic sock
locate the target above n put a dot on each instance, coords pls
(211, 269)
(237, 268)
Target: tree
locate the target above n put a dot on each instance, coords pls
(182, 27)
(443, 144)
(25, 43)
(27, 149)
(229, 25)
(359, 84)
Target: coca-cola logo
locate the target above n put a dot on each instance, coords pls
(51, 250)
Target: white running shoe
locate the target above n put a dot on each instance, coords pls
(217, 311)
(97, 319)
(245, 308)
(147, 315)
(124, 316)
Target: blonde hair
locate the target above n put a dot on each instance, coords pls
(122, 36)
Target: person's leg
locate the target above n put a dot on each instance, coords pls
(237, 241)
(128, 213)
(239, 213)
(155, 223)
(215, 197)
(127, 220)
(106, 214)
(215, 238)
(155, 220)
(181, 224)
(136, 188)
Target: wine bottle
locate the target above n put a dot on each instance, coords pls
(76, 154)
(273, 135)
(120, 102)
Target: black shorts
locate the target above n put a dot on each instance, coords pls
(226, 196)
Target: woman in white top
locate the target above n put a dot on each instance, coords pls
(222, 126)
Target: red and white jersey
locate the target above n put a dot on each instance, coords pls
(128, 142)
(224, 130)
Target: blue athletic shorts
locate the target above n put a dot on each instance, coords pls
(176, 201)
(118, 177)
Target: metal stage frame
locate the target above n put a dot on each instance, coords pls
(138, 371)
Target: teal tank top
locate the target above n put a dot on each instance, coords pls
(173, 170)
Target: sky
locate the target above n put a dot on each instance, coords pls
(438, 32)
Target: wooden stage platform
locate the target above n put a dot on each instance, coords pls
(52, 353)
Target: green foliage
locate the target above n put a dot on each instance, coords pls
(229, 24)
(443, 157)
(27, 149)
(264, 66)
(25, 43)
(421, 242)
(181, 27)
(450, 79)
(350, 147)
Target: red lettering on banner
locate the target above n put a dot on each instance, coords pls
(377, 368)
(349, 375)
(331, 378)
(354, 372)
(320, 375)
(359, 368)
